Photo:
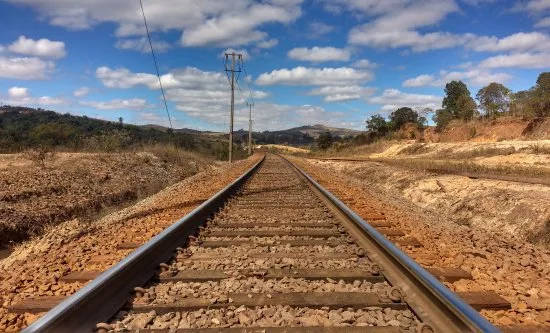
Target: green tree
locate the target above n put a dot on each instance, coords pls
(377, 125)
(325, 140)
(494, 99)
(467, 107)
(403, 116)
(453, 91)
(542, 95)
(442, 118)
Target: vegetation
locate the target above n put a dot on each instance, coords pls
(22, 129)
(494, 100)
(325, 140)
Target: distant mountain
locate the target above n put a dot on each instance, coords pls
(316, 130)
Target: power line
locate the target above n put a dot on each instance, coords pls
(246, 80)
(156, 64)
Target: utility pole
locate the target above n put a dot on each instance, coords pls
(233, 71)
(250, 129)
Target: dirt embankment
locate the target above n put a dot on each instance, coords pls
(36, 195)
(503, 128)
(512, 208)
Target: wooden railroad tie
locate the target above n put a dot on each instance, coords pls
(478, 300)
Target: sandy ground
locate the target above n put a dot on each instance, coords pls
(534, 154)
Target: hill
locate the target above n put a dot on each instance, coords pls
(24, 128)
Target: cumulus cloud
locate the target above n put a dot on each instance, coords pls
(543, 23)
(419, 81)
(142, 45)
(201, 23)
(392, 99)
(319, 54)
(318, 29)
(267, 44)
(474, 76)
(342, 93)
(118, 104)
(314, 76)
(364, 63)
(200, 94)
(396, 23)
(38, 48)
(530, 41)
(81, 92)
(518, 60)
(22, 96)
(26, 68)
(18, 92)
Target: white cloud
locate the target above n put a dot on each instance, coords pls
(536, 6)
(518, 60)
(38, 48)
(142, 45)
(319, 54)
(18, 92)
(396, 21)
(474, 76)
(118, 104)
(238, 28)
(364, 63)
(477, 2)
(318, 29)
(543, 23)
(209, 22)
(530, 41)
(419, 81)
(267, 44)
(47, 100)
(25, 68)
(81, 92)
(342, 93)
(392, 99)
(314, 76)
(22, 96)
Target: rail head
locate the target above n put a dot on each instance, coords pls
(100, 299)
(468, 318)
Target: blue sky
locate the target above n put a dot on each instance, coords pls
(334, 62)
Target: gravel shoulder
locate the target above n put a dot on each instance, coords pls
(475, 225)
(35, 267)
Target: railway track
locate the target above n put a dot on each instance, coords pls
(273, 252)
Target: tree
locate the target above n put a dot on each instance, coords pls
(325, 140)
(403, 116)
(467, 107)
(377, 125)
(494, 99)
(542, 94)
(442, 118)
(453, 91)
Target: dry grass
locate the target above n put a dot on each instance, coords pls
(454, 166)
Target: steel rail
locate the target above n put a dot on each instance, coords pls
(434, 303)
(100, 299)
